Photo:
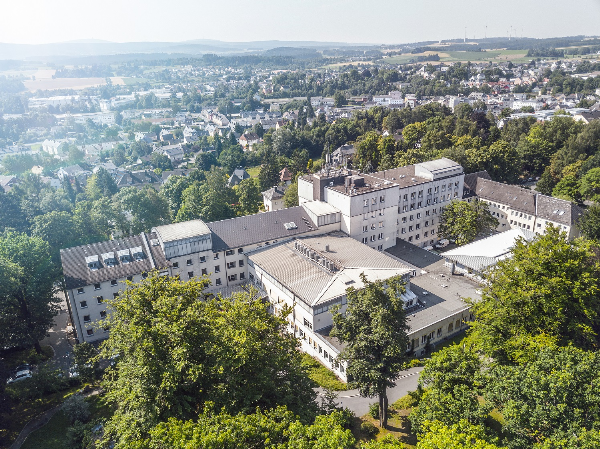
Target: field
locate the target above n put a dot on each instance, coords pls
(63, 83)
(464, 56)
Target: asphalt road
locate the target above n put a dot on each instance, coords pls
(407, 381)
(58, 337)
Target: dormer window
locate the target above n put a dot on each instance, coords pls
(109, 259)
(124, 256)
(138, 253)
(93, 262)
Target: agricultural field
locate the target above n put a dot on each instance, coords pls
(63, 83)
(464, 56)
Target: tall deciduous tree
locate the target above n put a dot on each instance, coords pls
(548, 287)
(143, 208)
(101, 184)
(463, 222)
(27, 304)
(374, 330)
(183, 352)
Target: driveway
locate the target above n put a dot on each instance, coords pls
(351, 399)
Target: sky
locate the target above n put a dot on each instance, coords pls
(355, 21)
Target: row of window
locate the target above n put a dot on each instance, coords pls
(373, 226)
(374, 200)
(430, 190)
(429, 202)
(373, 238)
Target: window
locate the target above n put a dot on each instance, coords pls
(144, 275)
(418, 226)
(381, 199)
(231, 265)
(404, 208)
(80, 291)
(373, 200)
(216, 256)
(405, 197)
(412, 217)
(380, 247)
(420, 193)
(365, 203)
(113, 283)
(130, 278)
(381, 224)
(423, 339)
(412, 206)
(232, 277)
(410, 239)
(241, 263)
(204, 272)
(96, 286)
(115, 295)
(175, 264)
(403, 219)
(417, 237)
(403, 231)
(373, 226)
(437, 189)
(99, 299)
(103, 314)
(365, 239)
(190, 274)
(410, 229)
(432, 231)
(426, 223)
(380, 236)
(202, 259)
(242, 276)
(419, 204)
(457, 325)
(189, 262)
(419, 215)
(218, 281)
(427, 213)
(413, 195)
(373, 238)
(240, 250)
(87, 319)
(425, 234)
(429, 191)
(439, 332)
(365, 229)
(450, 327)
(83, 304)
(90, 331)
(229, 252)
(217, 268)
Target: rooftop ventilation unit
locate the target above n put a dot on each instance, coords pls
(290, 225)
(154, 242)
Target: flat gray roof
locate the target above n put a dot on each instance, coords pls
(180, 231)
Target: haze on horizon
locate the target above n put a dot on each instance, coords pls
(352, 21)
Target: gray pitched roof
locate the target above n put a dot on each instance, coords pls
(557, 210)
(274, 193)
(518, 198)
(252, 229)
(78, 274)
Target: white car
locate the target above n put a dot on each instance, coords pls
(19, 376)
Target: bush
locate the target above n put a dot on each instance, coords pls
(76, 409)
(413, 363)
(405, 403)
(45, 381)
(374, 410)
(369, 429)
(79, 435)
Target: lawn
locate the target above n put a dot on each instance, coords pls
(321, 375)
(253, 171)
(53, 435)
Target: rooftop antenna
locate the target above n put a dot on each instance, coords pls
(465, 35)
(485, 32)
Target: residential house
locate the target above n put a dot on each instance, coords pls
(73, 172)
(273, 198)
(238, 175)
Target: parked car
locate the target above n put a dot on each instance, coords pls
(19, 376)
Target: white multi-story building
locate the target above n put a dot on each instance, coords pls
(518, 207)
(376, 208)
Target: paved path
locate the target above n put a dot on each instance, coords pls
(351, 399)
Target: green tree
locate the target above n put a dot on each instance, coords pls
(173, 189)
(463, 222)
(161, 161)
(462, 435)
(339, 100)
(374, 330)
(28, 307)
(547, 291)
(85, 357)
(56, 228)
(11, 215)
(100, 184)
(589, 223)
(183, 352)
(556, 395)
(590, 185)
(249, 196)
(273, 429)
(143, 208)
(568, 188)
(500, 159)
(290, 197)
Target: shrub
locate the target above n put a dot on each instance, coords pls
(374, 410)
(369, 429)
(76, 409)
